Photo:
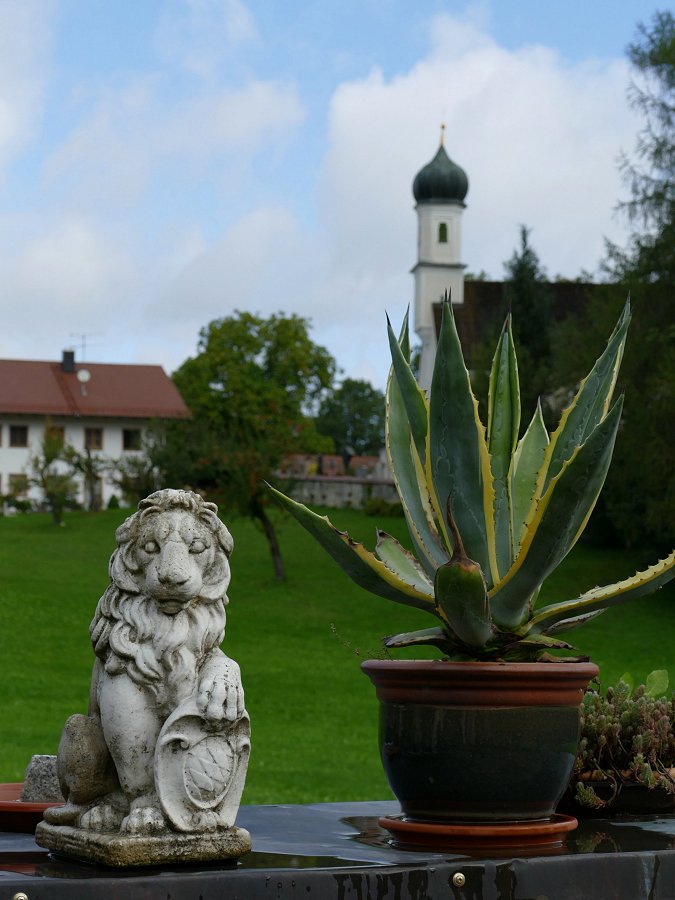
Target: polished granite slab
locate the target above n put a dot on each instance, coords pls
(338, 850)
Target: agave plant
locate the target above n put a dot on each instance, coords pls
(490, 516)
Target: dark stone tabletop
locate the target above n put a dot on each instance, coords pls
(338, 850)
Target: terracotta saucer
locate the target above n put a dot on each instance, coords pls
(546, 834)
(17, 815)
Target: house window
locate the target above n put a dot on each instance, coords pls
(131, 438)
(18, 485)
(443, 233)
(18, 435)
(93, 438)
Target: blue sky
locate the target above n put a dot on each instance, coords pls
(165, 162)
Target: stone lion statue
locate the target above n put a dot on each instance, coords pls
(165, 744)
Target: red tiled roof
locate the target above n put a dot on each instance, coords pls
(124, 391)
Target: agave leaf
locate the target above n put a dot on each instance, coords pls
(461, 600)
(404, 337)
(599, 598)
(590, 405)
(457, 458)
(413, 397)
(557, 522)
(359, 564)
(436, 637)
(527, 460)
(535, 649)
(502, 437)
(401, 562)
(568, 624)
(539, 642)
(409, 479)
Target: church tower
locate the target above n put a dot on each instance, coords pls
(439, 190)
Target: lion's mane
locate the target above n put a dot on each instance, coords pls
(130, 634)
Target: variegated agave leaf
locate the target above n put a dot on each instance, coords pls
(556, 523)
(362, 566)
(502, 437)
(403, 454)
(526, 464)
(514, 508)
(575, 612)
(458, 462)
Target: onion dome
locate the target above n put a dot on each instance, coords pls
(441, 181)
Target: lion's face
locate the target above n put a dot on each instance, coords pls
(173, 551)
(173, 555)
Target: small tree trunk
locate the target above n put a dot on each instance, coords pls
(271, 535)
(56, 509)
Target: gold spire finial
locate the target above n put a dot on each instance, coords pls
(442, 134)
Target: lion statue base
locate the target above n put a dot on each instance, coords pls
(155, 771)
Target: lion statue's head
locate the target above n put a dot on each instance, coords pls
(165, 604)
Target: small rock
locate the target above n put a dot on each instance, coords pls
(40, 783)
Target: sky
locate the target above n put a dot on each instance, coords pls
(164, 163)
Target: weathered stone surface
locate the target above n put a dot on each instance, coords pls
(40, 783)
(143, 850)
(162, 754)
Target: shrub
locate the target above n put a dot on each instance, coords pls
(376, 506)
(626, 736)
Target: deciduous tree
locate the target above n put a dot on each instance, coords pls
(640, 491)
(353, 416)
(48, 473)
(252, 389)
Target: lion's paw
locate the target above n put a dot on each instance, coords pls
(144, 820)
(67, 814)
(220, 696)
(103, 817)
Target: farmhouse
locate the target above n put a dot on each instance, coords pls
(98, 407)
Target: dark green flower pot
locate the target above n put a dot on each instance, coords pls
(478, 742)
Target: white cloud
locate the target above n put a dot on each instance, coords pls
(71, 264)
(134, 139)
(68, 278)
(25, 43)
(200, 35)
(537, 136)
(128, 249)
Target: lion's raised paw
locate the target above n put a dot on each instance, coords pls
(144, 820)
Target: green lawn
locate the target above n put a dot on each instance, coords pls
(313, 714)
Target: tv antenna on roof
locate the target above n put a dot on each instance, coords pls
(83, 335)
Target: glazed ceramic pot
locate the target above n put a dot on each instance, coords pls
(478, 741)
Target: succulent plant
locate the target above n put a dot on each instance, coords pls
(489, 516)
(627, 736)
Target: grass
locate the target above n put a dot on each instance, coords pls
(313, 714)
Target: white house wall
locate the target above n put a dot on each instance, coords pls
(16, 460)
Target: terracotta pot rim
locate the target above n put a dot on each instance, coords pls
(488, 684)
(437, 665)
